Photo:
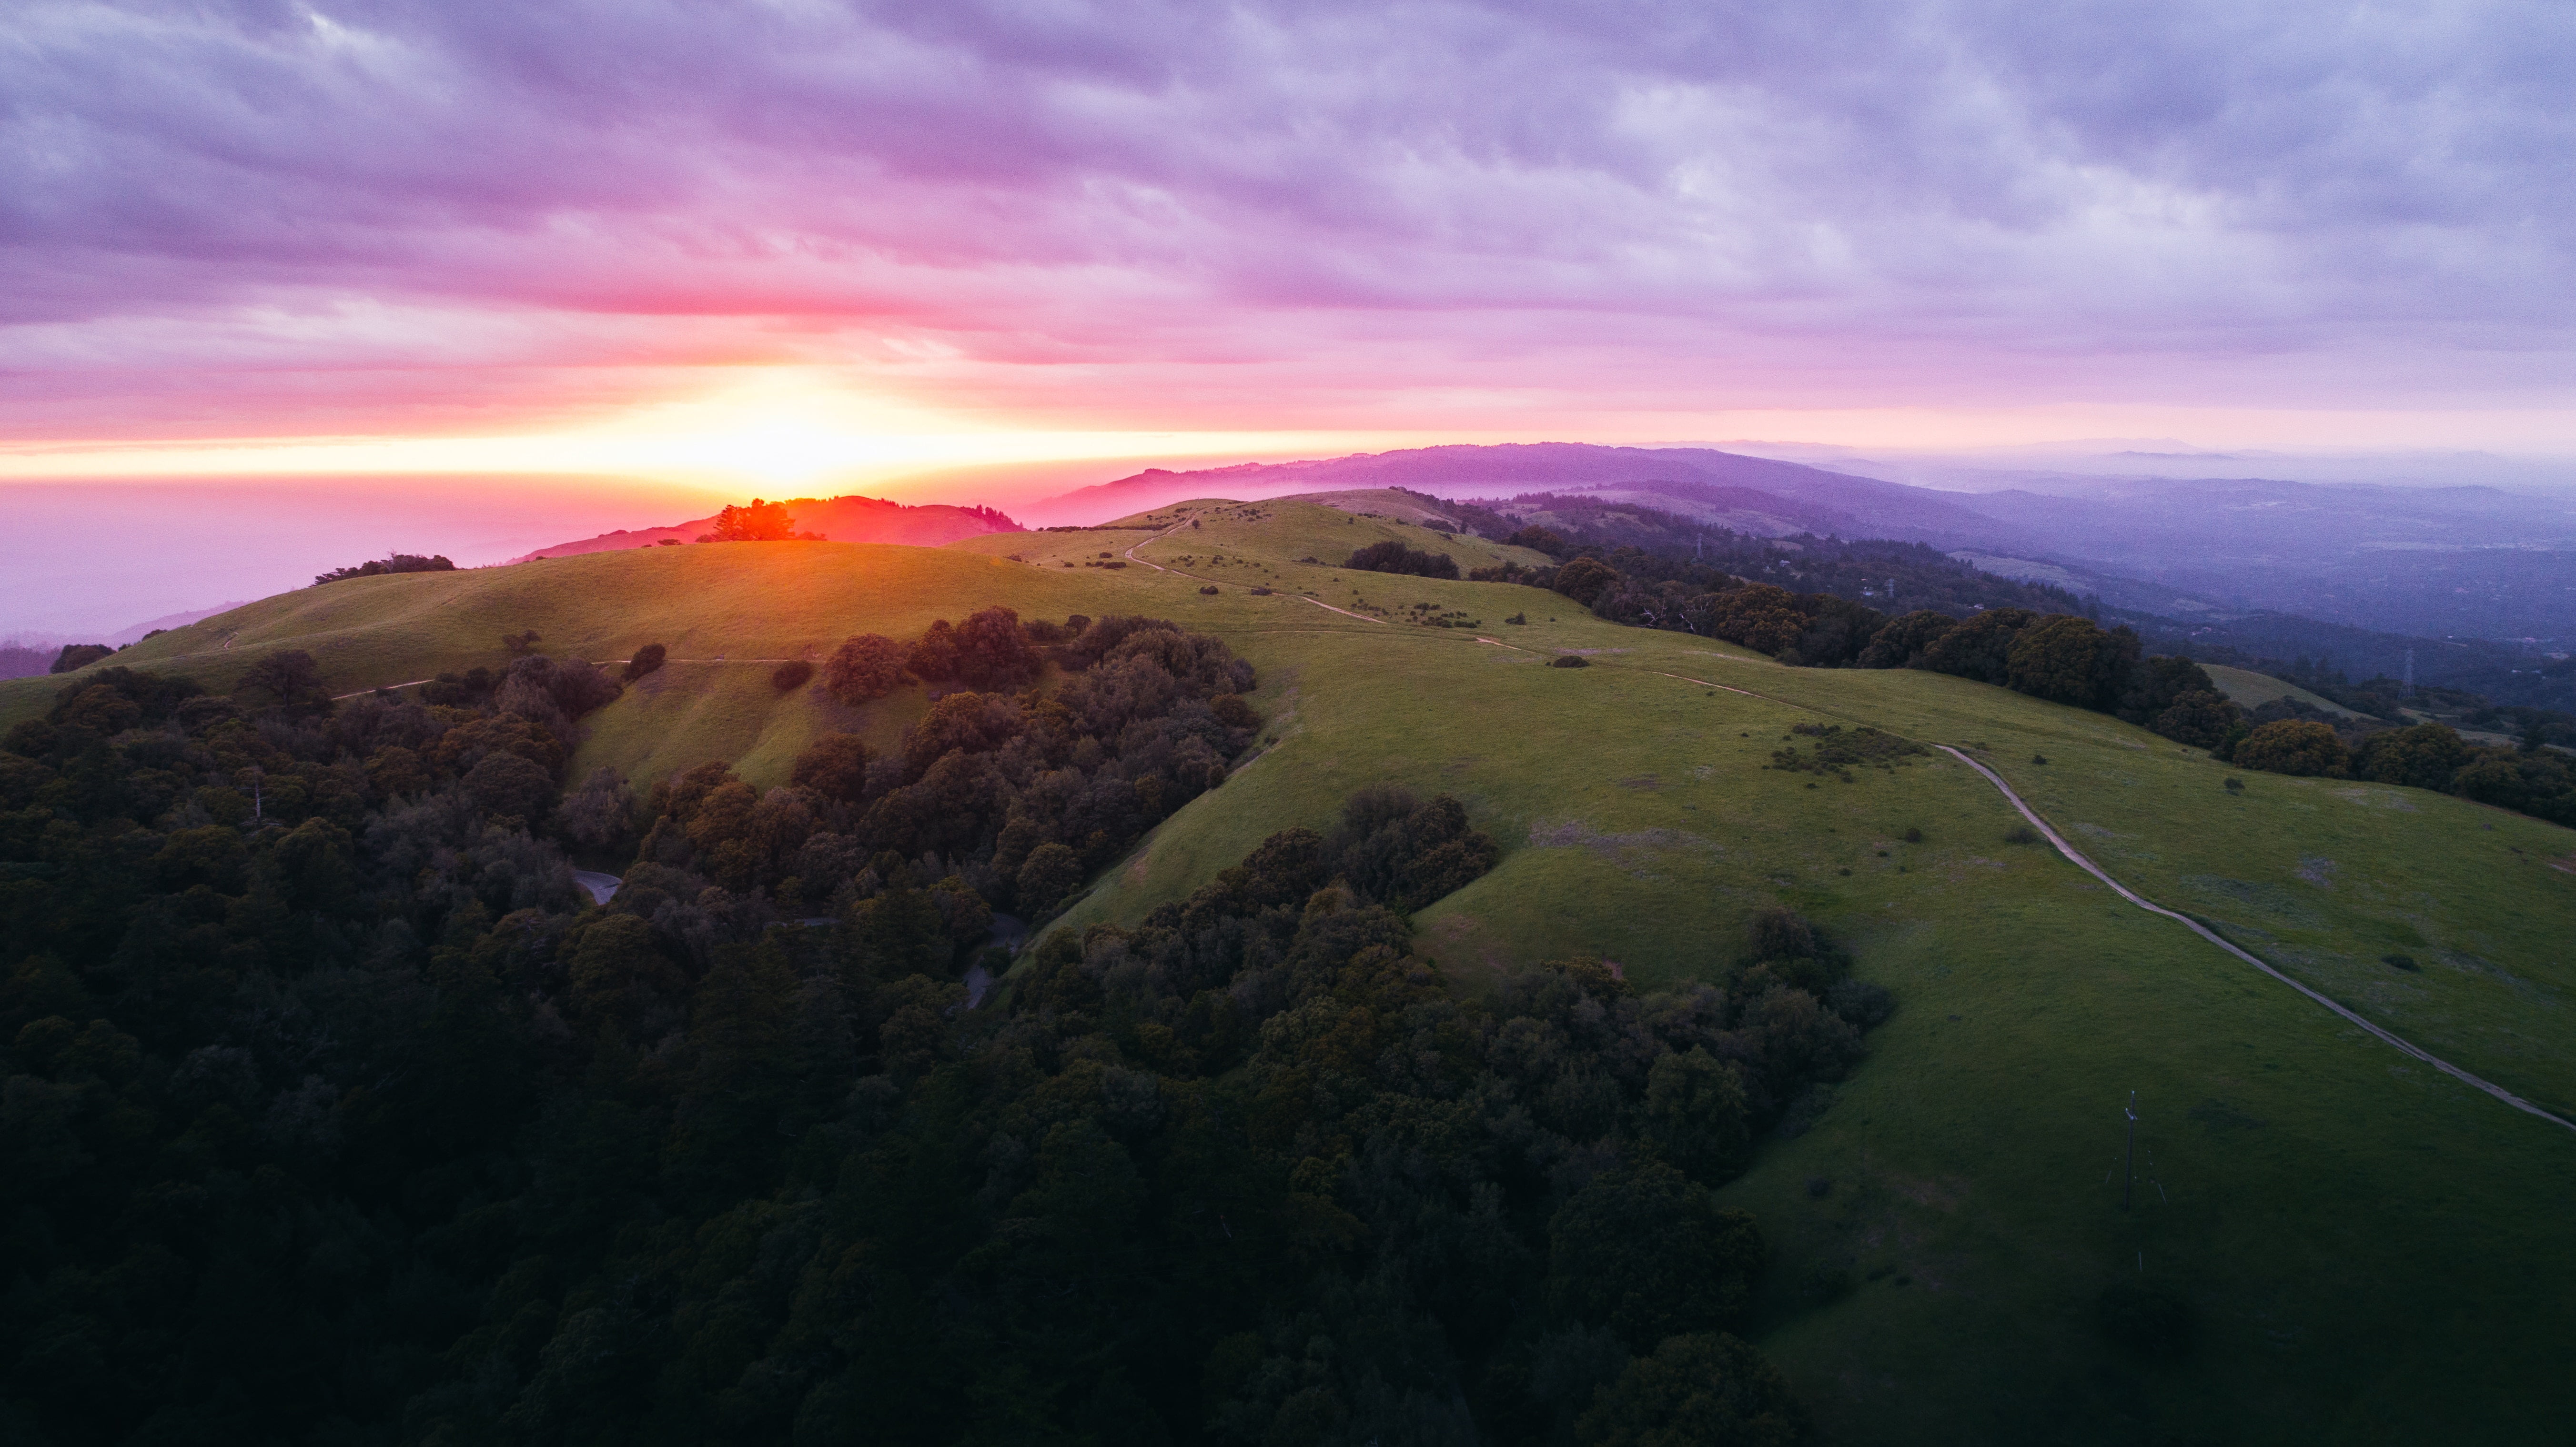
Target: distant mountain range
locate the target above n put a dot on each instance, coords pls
(1754, 494)
(2471, 561)
(838, 519)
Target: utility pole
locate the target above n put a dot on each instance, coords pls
(2410, 673)
(2129, 1182)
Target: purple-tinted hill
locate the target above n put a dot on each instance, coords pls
(838, 519)
(1795, 497)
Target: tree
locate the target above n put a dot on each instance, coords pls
(2156, 683)
(1586, 579)
(1647, 1253)
(761, 522)
(1696, 1116)
(79, 655)
(2534, 783)
(933, 658)
(1395, 557)
(1698, 1390)
(287, 679)
(1047, 878)
(868, 666)
(1902, 641)
(2071, 660)
(2294, 746)
(1760, 616)
(397, 563)
(2426, 756)
(2200, 718)
(506, 784)
(647, 659)
(834, 766)
(1980, 647)
(619, 974)
(1538, 538)
(993, 652)
(791, 675)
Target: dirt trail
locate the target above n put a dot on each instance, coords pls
(1178, 573)
(2196, 927)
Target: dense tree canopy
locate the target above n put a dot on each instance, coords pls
(397, 563)
(1395, 557)
(754, 522)
(358, 1121)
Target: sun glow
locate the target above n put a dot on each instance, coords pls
(780, 429)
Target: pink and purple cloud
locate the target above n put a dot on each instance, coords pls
(252, 218)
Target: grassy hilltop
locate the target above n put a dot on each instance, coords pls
(2376, 1252)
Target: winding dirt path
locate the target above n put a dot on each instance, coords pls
(1178, 573)
(2196, 927)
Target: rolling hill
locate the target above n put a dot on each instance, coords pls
(1785, 496)
(837, 519)
(2375, 1251)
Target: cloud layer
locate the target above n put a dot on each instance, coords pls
(246, 218)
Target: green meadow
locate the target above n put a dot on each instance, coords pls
(2376, 1253)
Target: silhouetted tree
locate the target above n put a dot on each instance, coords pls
(79, 655)
(757, 522)
(647, 659)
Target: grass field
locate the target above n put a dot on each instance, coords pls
(2377, 1253)
(2253, 690)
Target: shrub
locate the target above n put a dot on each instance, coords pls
(866, 667)
(791, 675)
(1395, 557)
(1570, 660)
(2402, 962)
(2021, 834)
(2294, 746)
(519, 643)
(1209, 591)
(647, 659)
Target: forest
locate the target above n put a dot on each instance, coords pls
(337, 1112)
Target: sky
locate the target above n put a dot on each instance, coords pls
(779, 242)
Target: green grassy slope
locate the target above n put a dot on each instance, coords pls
(2376, 1251)
(2256, 689)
